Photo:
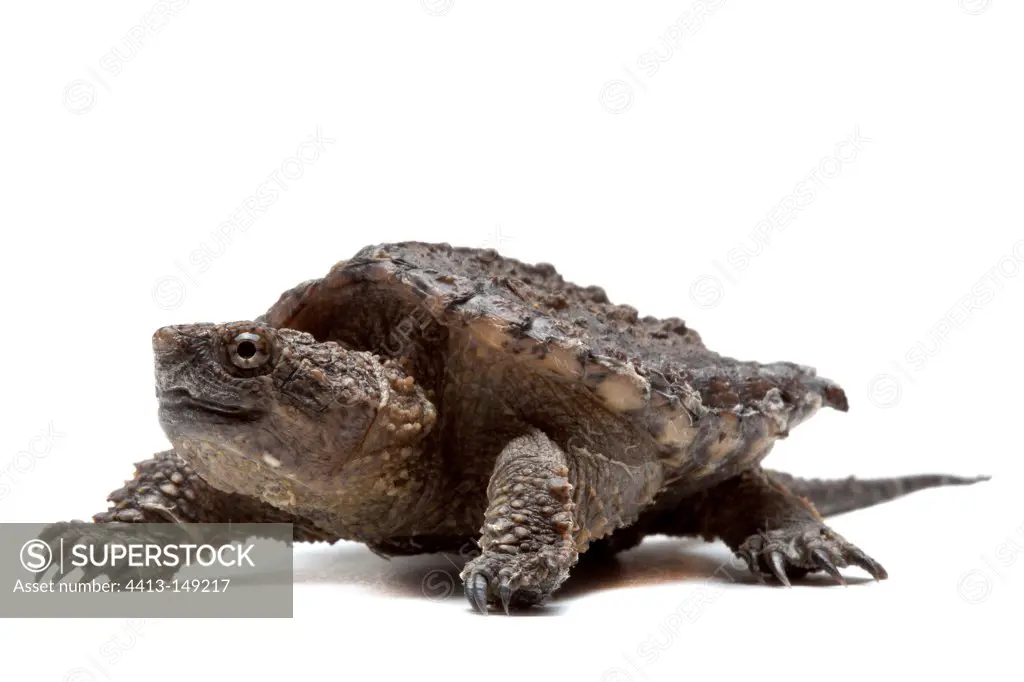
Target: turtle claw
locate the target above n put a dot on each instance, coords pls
(505, 591)
(778, 566)
(825, 562)
(476, 592)
(874, 569)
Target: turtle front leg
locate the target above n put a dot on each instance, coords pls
(527, 537)
(776, 532)
(165, 489)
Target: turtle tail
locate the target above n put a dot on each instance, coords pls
(838, 496)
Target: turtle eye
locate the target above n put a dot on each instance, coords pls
(248, 350)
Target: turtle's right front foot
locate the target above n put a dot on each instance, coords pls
(60, 537)
(166, 490)
(163, 490)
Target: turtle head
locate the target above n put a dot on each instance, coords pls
(248, 405)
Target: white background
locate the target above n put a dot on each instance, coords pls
(633, 145)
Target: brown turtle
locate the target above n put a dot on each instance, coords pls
(420, 397)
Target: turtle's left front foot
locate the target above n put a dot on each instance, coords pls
(526, 539)
(515, 581)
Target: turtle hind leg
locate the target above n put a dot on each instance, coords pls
(779, 534)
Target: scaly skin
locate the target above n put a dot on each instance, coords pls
(527, 536)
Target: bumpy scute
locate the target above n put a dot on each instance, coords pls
(652, 371)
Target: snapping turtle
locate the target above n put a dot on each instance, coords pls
(420, 397)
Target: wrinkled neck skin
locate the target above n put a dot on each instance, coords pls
(333, 435)
(389, 486)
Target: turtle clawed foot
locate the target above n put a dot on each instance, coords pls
(511, 581)
(789, 553)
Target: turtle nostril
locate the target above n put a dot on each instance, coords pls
(167, 340)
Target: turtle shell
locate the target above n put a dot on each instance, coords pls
(427, 302)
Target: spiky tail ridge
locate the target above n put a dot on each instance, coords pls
(838, 496)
